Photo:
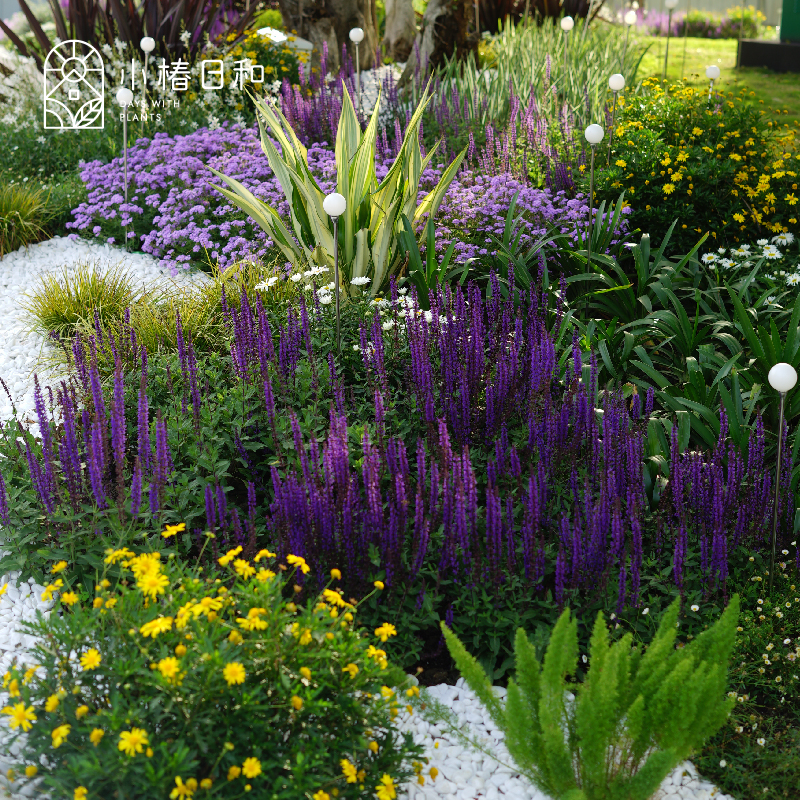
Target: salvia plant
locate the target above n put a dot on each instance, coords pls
(452, 449)
(371, 224)
(635, 716)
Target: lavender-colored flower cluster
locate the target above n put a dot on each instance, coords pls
(181, 219)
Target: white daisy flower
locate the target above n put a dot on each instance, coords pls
(720, 250)
(387, 326)
(363, 281)
(762, 242)
(325, 299)
(709, 258)
(793, 280)
(783, 239)
(727, 263)
(268, 284)
(298, 276)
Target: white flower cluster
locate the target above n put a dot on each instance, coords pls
(747, 254)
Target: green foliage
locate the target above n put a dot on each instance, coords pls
(220, 681)
(431, 273)
(756, 754)
(723, 168)
(371, 224)
(635, 716)
(518, 64)
(25, 214)
(64, 301)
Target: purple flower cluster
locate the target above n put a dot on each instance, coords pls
(186, 220)
(516, 474)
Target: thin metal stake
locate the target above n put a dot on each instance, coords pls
(358, 73)
(336, 278)
(613, 119)
(666, 52)
(591, 210)
(777, 490)
(739, 48)
(125, 161)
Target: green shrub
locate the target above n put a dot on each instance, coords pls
(24, 216)
(723, 168)
(713, 26)
(163, 676)
(633, 719)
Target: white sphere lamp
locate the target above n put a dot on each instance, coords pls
(782, 377)
(616, 82)
(567, 24)
(124, 96)
(356, 35)
(712, 72)
(148, 44)
(334, 205)
(594, 134)
(630, 17)
(670, 5)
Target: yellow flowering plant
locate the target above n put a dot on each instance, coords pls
(175, 681)
(723, 167)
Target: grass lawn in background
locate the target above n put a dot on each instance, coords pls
(777, 90)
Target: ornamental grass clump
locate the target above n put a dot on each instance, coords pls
(632, 720)
(65, 299)
(162, 679)
(24, 216)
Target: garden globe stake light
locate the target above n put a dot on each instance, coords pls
(670, 4)
(567, 24)
(630, 21)
(148, 44)
(125, 98)
(594, 135)
(782, 377)
(616, 83)
(712, 73)
(334, 206)
(356, 37)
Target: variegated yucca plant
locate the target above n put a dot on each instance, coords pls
(370, 228)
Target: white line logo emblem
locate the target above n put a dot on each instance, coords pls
(73, 87)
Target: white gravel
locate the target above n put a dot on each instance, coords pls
(464, 773)
(20, 273)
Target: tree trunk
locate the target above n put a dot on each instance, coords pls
(401, 29)
(330, 22)
(445, 31)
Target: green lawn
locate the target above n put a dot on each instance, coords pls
(779, 91)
